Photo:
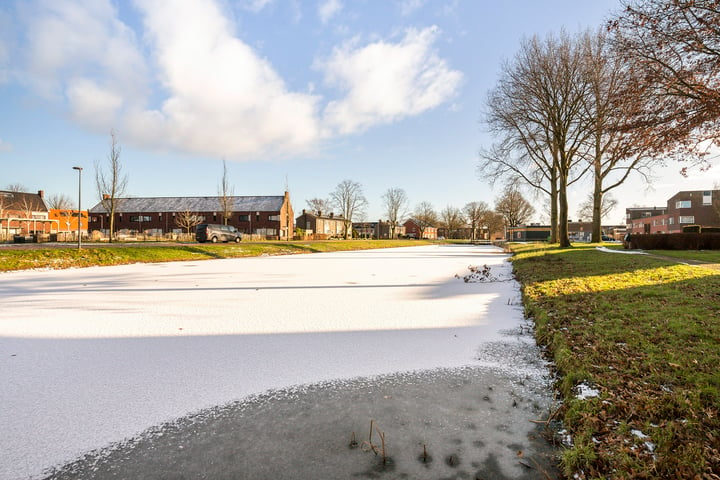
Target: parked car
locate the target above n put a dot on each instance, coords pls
(210, 232)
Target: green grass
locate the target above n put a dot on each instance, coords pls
(118, 254)
(646, 333)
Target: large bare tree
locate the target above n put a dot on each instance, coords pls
(424, 216)
(395, 202)
(16, 187)
(587, 208)
(514, 208)
(111, 184)
(350, 201)
(451, 218)
(319, 205)
(672, 49)
(225, 196)
(537, 111)
(613, 153)
(476, 215)
(59, 201)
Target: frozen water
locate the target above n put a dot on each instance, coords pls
(94, 356)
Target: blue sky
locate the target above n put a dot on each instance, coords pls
(304, 93)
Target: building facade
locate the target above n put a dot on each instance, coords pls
(413, 230)
(269, 216)
(377, 230)
(23, 213)
(320, 227)
(696, 207)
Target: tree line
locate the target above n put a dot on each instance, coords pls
(610, 103)
(511, 209)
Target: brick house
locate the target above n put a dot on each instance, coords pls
(696, 207)
(24, 213)
(377, 229)
(319, 226)
(268, 216)
(412, 230)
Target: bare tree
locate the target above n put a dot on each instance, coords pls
(395, 202)
(188, 220)
(672, 50)
(587, 208)
(513, 207)
(319, 205)
(536, 109)
(111, 185)
(424, 216)
(613, 153)
(225, 196)
(476, 215)
(16, 187)
(59, 201)
(348, 198)
(452, 220)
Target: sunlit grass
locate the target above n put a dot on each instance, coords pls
(646, 333)
(57, 258)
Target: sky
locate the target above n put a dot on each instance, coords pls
(290, 94)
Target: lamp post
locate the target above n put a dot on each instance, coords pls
(79, 217)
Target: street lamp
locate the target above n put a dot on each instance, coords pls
(79, 217)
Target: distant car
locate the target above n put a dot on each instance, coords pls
(605, 238)
(210, 232)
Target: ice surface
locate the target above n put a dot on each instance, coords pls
(98, 355)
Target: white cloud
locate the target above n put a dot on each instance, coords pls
(386, 82)
(193, 86)
(93, 104)
(222, 98)
(409, 6)
(328, 9)
(71, 39)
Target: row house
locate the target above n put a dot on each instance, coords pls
(268, 216)
(696, 207)
(413, 230)
(321, 227)
(23, 213)
(379, 230)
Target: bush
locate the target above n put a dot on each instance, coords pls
(707, 240)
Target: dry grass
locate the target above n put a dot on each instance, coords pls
(643, 331)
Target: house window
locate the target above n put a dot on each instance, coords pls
(707, 198)
(274, 218)
(243, 218)
(683, 204)
(687, 219)
(671, 220)
(140, 218)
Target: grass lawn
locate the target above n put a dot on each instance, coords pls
(117, 254)
(645, 333)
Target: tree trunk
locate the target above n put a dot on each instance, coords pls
(597, 206)
(553, 208)
(564, 239)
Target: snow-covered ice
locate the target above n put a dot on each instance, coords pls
(94, 356)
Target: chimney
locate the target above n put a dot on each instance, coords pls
(41, 193)
(106, 196)
(332, 214)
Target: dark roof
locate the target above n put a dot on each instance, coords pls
(193, 204)
(21, 201)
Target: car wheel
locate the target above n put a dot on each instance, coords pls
(214, 240)
(237, 239)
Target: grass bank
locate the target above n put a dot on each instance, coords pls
(645, 334)
(118, 254)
